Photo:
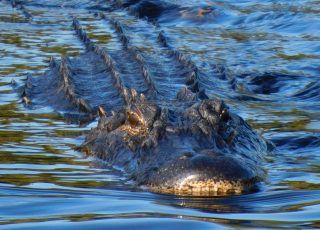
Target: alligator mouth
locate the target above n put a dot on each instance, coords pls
(192, 185)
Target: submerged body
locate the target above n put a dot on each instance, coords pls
(164, 131)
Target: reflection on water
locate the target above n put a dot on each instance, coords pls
(262, 58)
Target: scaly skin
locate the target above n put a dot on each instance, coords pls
(164, 131)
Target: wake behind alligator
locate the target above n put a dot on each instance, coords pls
(156, 121)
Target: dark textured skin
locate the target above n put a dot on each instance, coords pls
(205, 140)
(158, 139)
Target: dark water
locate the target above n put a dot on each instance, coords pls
(261, 57)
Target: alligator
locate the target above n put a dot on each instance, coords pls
(155, 120)
(165, 11)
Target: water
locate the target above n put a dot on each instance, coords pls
(45, 183)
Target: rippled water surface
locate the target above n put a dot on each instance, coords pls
(261, 57)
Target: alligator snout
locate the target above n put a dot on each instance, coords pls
(205, 175)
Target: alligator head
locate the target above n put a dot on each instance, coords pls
(199, 148)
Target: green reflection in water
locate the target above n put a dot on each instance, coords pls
(51, 149)
(94, 33)
(67, 133)
(62, 50)
(301, 185)
(9, 112)
(16, 68)
(293, 120)
(100, 38)
(21, 180)
(86, 183)
(242, 36)
(41, 159)
(13, 18)
(27, 179)
(296, 125)
(296, 56)
(11, 39)
(52, 176)
(11, 136)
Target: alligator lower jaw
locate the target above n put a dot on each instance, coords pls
(193, 187)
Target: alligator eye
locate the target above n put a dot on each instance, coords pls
(134, 124)
(134, 119)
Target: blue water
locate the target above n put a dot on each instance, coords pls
(268, 55)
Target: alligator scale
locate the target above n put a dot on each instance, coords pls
(155, 118)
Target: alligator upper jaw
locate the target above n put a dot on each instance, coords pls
(203, 175)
